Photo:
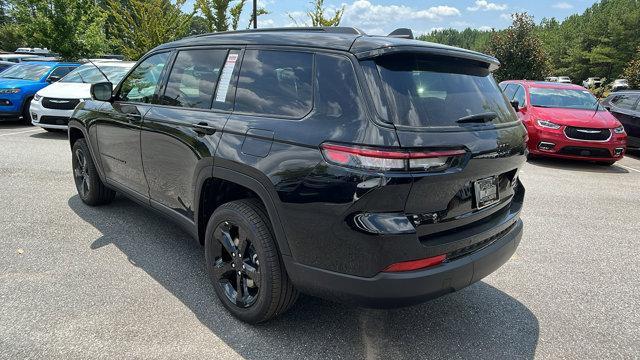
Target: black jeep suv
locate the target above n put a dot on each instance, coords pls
(376, 170)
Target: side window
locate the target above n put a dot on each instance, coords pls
(275, 83)
(193, 78)
(519, 96)
(625, 101)
(503, 86)
(337, 94)
(140, 85)
(60, 71)
(510, 90)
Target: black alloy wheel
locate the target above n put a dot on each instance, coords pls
(244, 264)
(237, 266)
(91, 189)
(80, 172)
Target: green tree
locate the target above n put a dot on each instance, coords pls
(519, 50)
(141, 25)
(472, 39)
(632, 71)
(221, 15)
(317, 15)
(71, 28)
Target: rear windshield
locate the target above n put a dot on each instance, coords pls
(419, 91)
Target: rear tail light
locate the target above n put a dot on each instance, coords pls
(416, 264)
(385, 159)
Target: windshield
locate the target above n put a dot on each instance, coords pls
(562, 98)
(26, 72)
(419, 91)
(90, 74)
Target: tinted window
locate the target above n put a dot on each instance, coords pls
(519, 96)
(193, 78)
(625, 101)
(562, 98)
(337, 92)
(275, 83)
(60, 71)
(423, 91)
(90, 74)
(510, 90)
(140, 85)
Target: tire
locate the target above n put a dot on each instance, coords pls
(248, 234)
(26, 113)
(90, 188)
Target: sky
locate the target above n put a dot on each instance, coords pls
(380, 17)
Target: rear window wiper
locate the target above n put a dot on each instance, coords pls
(478, 118)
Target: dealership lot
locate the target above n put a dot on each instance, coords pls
(119, 280)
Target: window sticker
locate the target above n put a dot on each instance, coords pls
(225, 78)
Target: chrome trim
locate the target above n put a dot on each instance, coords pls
(564, 131)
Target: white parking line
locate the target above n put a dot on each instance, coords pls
(20, 132)
(629, 168)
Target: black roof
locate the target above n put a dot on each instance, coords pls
(337, 38)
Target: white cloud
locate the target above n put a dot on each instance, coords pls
(505, 16)
(484, 5)
(364, 14)
(562, 5)
(485, 28)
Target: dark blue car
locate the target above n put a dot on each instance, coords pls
(20, 82)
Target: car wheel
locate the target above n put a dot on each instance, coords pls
(244, 265)
(90, 188)
(26, 113)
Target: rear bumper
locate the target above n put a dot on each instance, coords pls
(400, 289)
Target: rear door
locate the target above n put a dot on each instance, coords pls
(449, 104)
(180, 135)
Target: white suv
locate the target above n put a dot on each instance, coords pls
(52, 106)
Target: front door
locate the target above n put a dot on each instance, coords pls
(119, 126)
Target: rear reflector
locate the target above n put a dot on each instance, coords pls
(415, 264)
(384, 159)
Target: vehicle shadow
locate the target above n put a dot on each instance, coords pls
(576, 165)
(478, 322)
(51, 135)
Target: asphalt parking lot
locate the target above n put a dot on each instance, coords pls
(121, 281)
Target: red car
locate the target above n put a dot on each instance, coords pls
(566, 121)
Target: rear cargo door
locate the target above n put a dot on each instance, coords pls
(447, 104)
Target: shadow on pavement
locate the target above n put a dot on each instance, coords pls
(575, 165)
(51, 135)
(480, 321)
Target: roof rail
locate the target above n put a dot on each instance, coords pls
(329, 29)
(401, 33)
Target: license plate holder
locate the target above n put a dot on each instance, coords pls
(486, 192)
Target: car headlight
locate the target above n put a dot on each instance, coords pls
(548, 124)
(9, 91)
(619, 130)
(37, 97)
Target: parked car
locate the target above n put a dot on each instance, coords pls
(36, 51)
(619, 84)
(625, 106)
(19, 83)
(592, 82)
(566, 121)
(17, 58)
(52, 106)
(376, 170)
(564, 79)
(4, 65)
(551, 79)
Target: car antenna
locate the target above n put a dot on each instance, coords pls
(96, 66)
(597, 108)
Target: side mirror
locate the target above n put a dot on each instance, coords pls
(102, 91)
(53, 78)
(516, 105)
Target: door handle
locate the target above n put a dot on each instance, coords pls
(134, 118)
(203, 128)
